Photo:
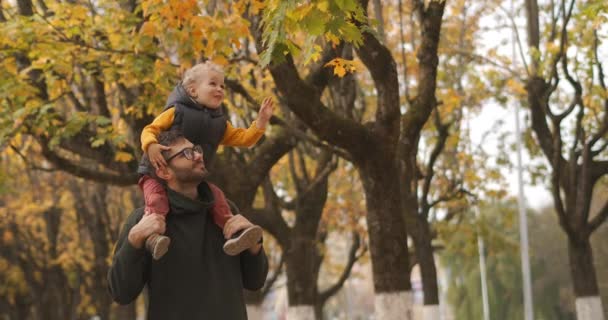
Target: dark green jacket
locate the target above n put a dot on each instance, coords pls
(195, 279)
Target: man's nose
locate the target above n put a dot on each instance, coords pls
(198, 156)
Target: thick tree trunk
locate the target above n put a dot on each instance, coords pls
(387, 236)
(302, 271)
(127, 312)
(582, 270)
(301, 312)
(393, 305)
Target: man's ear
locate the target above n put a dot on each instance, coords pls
(163, 172)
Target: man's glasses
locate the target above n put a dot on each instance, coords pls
(187, 152)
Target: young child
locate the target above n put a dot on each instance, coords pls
(194, 108)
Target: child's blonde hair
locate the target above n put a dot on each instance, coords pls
(192, 75)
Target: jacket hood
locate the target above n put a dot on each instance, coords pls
(179, 96)
(180, 204)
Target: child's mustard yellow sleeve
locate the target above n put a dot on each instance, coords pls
(240, 137)
(161, 123)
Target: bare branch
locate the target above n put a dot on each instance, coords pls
(599, 218)
(516, 31)
(604, 126)
(443, 132)
(380, 18)
(352, 259)
(555, 185)
(403, 55)
(272, 222)
(27, 161)
(122, 179)
(272, 279)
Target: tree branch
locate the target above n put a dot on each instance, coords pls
(122, 179)
(425, 101)
(352, 259)
(517, 38)
(599, 218)
(305, 101)
(604, 126)
(272, 222)
(383, 69)
(443, 131)
(272, 279)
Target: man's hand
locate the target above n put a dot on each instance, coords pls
(265, 113)
(155, 155)
(148, 225)
(236, 224)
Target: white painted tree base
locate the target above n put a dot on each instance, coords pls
(255, 312)
(589, 308)
(301, 312)
(393, 306)
(430, 312)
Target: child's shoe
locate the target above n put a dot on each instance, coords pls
(243, 240)
(157, 245)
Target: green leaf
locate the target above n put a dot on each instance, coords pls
(314, 23)
(103, 121)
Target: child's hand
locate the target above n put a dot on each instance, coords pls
(155, 155)
(265, 112)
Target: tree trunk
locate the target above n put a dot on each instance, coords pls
(302, 273)
(301, 312)
(387, 236)
(582, 270)
(127, 312)
(254, 301)
(393, 305)
(424, 254)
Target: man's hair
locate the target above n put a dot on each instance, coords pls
(192, 75)
(165, 138)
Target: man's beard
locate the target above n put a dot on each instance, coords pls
(189, 176)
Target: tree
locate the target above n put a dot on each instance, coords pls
(56, 240)
(571, 132)
(498, 226)
(371, 147)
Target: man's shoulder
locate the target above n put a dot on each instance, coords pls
(135, 216)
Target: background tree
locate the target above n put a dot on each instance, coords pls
(566, 94)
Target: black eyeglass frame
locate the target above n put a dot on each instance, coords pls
(188, 153)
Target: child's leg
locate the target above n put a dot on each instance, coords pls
(156, 202)
(221, 210)
(155, 196)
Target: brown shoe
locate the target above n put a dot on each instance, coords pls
(157, 245)
(243, 240)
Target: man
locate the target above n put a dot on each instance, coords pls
(195, 279)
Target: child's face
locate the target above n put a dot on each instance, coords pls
(209, 89)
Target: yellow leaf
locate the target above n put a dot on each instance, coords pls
(323, 5)
(148, 29)
(123, 156)
(221, 60)
(339, 70)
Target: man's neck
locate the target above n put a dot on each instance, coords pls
(188, 190)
